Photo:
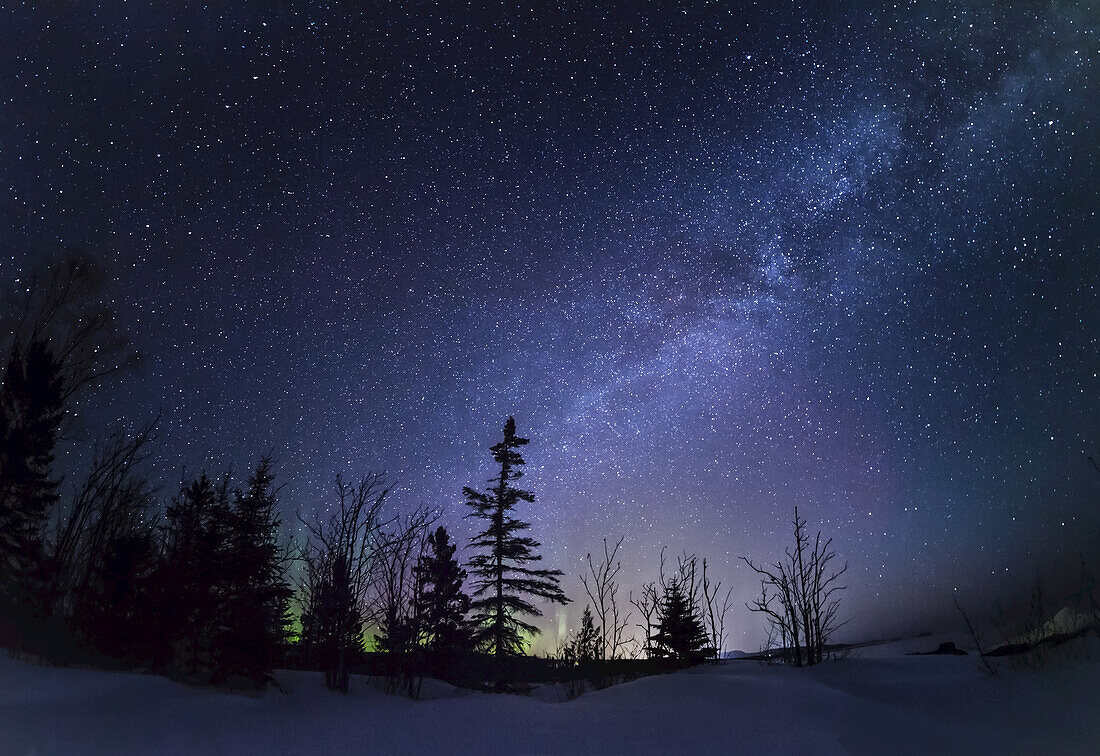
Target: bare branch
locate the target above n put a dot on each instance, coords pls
(602, 588)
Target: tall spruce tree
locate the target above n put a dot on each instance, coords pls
(258, 593)
(441, 604)
(502, 578)
(191, 582)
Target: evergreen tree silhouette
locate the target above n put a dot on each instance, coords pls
(680, 635)
(502, 578)
(585, 648)
(441, 604)
(257, 592)
(61, 340)
(116, 614)
(31, 403)
(191, 582)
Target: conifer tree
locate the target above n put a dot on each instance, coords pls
(60, 339)
(441, 604)
(31, 402)
(116, 616)
(680, 635)
(586, 646)
(258, 593)
(191, 582)
(502, 578)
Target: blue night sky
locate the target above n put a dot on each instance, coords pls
(718, 260)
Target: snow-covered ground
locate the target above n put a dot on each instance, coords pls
(878, 702)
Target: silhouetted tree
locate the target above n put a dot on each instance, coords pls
(798, 595)
(191, 582)
(647, 602)
(65, 308)
(332, 625)
(339, 561)
(116, 616)
(393, 608)
(113, 501)
(30, 417)
(59, 337)
(257, 593)
(441, 603)
(714, 613)
(698, 597)
(502, 578)
(602, 586)
(586, 646)
(105, 551)
(680, 635)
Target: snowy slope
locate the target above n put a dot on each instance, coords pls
(902, 704)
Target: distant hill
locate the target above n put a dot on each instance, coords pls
(735, 654)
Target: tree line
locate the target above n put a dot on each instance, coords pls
(207, 588)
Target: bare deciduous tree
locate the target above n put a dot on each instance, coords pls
(392, 600)
(647, 603)
(64, 308)
(715, 613)
(110, 504)
(602, 587)
(392, 605)
(339, 563)
(798, 595)
(59, 336)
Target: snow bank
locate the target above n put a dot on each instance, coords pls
(904, 704)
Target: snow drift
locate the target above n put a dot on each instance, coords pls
(894, 704)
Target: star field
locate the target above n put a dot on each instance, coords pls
(717, 260)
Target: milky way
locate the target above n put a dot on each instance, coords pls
(717, 261)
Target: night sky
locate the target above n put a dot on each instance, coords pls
(716, 260)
